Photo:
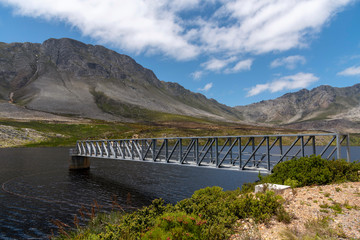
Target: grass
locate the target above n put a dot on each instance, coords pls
(316, 229)
(169, 125)
(136, 112)
(68, 133)
(155, 125)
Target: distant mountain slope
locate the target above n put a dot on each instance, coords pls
(324, 107)
(64, 76)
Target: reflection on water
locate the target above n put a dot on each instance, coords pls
(37, 188)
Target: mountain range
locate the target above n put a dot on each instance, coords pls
(65, 77)
(324, 107)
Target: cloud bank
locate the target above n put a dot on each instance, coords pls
(299, 80)
(182, 29)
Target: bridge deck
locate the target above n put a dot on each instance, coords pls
(252, 153)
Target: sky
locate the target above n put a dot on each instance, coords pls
(235, 51)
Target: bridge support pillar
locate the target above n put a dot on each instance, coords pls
(79, 162)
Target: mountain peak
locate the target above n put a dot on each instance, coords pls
(65, 76)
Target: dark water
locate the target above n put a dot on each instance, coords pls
(37, 188)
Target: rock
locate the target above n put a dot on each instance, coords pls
(277, 188)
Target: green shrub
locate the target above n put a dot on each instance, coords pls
(177, 225)
(261, 207)
(221, 209)
(212, 203)
(344, 171)
(215, 206)
(292, 183)
(305, 170)
(313, 170)
(138, 222)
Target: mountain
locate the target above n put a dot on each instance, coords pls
(68, 77)
(324, 107)
(65, 77)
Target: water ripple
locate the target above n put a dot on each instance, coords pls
(38, 188)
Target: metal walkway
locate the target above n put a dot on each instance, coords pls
(255, 152)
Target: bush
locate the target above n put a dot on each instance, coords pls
(313, 170)
(305, 170)
(138, 222)
(221, 209)
(209, 214)
(344, 171)
(212, 203)
(292, 183)
(260, 207)
(177, 225)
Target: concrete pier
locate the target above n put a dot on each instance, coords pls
(79, 162)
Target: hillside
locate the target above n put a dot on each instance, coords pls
(67, 77)
(67, 80)
(325, 107)
(318, 212)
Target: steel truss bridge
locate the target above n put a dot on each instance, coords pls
(253, 152)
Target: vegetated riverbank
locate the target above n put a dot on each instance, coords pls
(35, 133)
(53, 133)
(214, 214)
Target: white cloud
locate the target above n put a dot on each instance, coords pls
(240, 66)
(289, 62)
(206, 88)
(217, 64)
(299, 80)
(182, 29)
(267, 25)
(137, 25)
(197, 75)
(351, 71)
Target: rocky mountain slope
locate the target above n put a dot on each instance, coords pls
(324, 107)
(67, 77)
(64, 77)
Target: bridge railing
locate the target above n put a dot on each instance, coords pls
(241, 152)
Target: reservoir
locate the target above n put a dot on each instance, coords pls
(37, 188)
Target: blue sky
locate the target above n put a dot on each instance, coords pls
(235, 51)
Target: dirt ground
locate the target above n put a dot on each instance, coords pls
(339, 204)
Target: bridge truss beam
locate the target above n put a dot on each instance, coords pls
(260, 152)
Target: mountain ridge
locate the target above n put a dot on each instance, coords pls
(62, 75)
(70, 78)
(323, 107)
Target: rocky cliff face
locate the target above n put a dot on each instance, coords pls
(324, 107)
(64, 76)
